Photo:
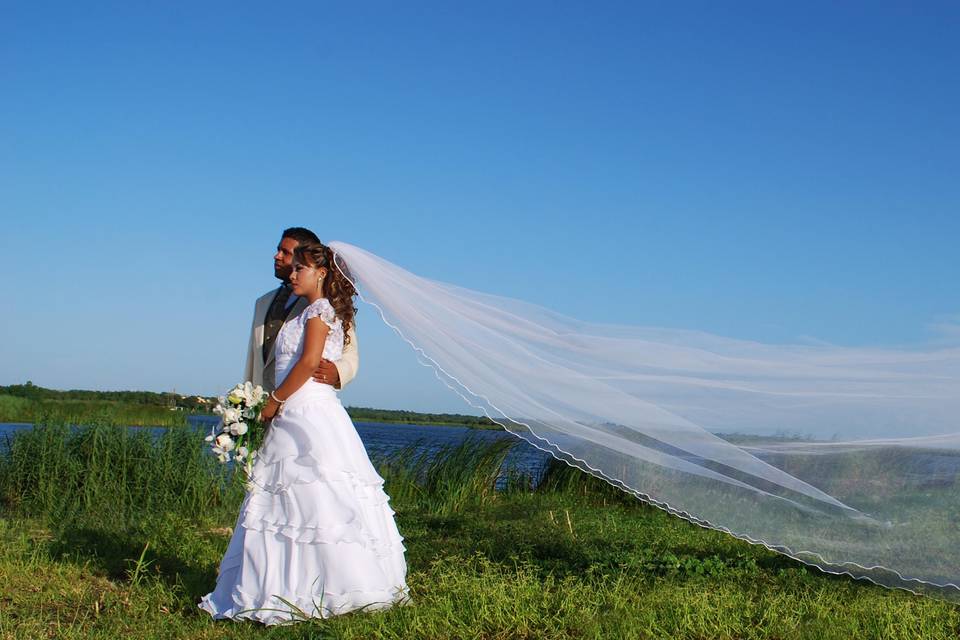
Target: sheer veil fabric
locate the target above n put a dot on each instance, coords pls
(844, 458)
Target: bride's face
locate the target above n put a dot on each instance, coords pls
(305, 279)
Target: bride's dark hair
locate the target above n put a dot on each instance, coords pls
(337, 287)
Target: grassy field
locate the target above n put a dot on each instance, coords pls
(108, 533)
(17, 409)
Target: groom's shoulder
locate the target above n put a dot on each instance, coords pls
(266, 297)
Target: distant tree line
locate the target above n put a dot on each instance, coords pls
(167, 399)
(200, 404)
(415, 417)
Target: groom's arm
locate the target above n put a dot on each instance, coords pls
(341, 372)
(248, 368)
(349, 362)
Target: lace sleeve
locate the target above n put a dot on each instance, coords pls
(322, 309)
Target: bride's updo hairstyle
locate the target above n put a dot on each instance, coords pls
(337, 287)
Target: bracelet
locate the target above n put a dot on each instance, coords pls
(272, 395)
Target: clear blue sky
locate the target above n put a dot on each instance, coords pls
(776, 171)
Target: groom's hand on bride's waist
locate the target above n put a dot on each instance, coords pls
(327, 373)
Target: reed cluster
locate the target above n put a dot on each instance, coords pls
(115, 474)
(111, 474)
(445, 480)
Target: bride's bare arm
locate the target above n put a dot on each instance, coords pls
(314, 337)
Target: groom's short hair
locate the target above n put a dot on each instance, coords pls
(301, 235)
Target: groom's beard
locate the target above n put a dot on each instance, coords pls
(282, 272)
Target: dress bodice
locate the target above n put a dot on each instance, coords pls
(289, 346)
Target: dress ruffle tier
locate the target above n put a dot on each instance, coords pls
(316, 529)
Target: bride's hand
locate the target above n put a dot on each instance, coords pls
(269, 410)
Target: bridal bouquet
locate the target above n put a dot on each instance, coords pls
(240, 431)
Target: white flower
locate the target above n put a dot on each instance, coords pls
(223, 442)
(238, 394)
(236, 410)
(250, 485)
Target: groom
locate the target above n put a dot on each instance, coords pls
(276, 307)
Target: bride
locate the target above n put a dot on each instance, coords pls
(315, 535)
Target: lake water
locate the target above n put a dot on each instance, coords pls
(381, 439)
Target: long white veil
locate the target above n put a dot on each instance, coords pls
(844, 458)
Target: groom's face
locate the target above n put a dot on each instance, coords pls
(283, 258)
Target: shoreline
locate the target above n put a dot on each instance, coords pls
(28, 404)
(14, 422)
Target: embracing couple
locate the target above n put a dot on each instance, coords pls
(315, 535)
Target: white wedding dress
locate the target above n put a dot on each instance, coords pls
(315, 529)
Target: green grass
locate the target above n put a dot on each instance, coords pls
(107, 534)
(35, 411)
